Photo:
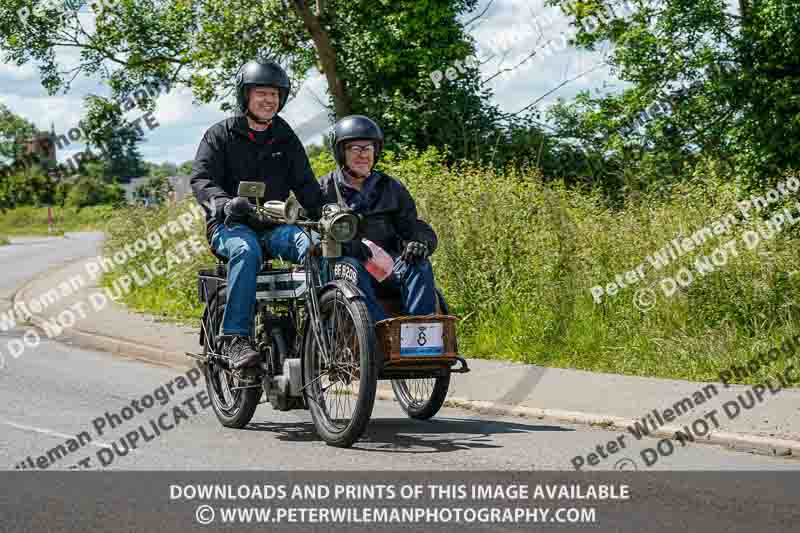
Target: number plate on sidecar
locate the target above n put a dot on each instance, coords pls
(421, 339)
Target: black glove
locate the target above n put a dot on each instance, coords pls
(414, 251)
(219, 209)
(237, 211)
(358, 250)
(259, 220)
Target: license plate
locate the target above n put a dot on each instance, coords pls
(421, 339)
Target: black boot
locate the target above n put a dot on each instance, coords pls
(242, 353)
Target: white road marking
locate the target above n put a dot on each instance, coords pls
(99, 444)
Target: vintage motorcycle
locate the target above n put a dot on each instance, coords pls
(319, 349)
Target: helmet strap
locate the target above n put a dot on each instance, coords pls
(255, 119)
(350, 174)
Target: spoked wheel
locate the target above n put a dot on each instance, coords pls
(340, 389)
(233, 399)
(421, 398)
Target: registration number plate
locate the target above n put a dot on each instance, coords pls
(421, 339)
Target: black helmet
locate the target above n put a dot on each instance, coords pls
(355, 127)
(261, 74)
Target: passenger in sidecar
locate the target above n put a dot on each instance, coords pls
(391, 256)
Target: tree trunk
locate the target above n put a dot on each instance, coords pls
(327, 58)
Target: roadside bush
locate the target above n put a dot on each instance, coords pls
(86, 191)
(518, 258)
(29, 220)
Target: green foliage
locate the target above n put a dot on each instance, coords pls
(383, 54)
(705, 81)
(3, 240)
(31, 186)
(186, 168)
(518, 256)
(315, 150)
(173, 295)
(87, 191)
(156, 188)
(161, 170)
(114, 139)
(30, 220)
(13, 129)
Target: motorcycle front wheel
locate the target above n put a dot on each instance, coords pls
(340, 392)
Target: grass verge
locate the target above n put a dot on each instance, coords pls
(518, 259)
(33, 220)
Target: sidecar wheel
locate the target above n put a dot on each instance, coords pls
(234, 408)
(421, 398)
(341, 393)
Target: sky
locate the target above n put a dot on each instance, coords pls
(508, 32)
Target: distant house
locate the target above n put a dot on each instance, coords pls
(180, 184)
(42, 145)
(130, 188)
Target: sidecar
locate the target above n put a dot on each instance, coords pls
(419, 354)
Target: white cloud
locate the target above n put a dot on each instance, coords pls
(14, 72)
(511, 27)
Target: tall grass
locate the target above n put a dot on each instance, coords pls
(28, 220)
(518, 257)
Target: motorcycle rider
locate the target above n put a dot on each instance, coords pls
(388, 218)
(256, 145)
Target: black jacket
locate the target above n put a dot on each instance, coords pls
(391, 218)
(228, 154)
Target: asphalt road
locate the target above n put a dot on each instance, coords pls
(56, 391)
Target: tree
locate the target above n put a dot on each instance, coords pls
(112, 140)
(376, 55)
(13, 130)
(155, 188)
(706, 83)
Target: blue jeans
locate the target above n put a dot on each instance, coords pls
(414, 282)
(240, 245)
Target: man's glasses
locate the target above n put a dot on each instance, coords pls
(358, 150)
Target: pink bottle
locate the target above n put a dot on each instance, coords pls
(380, 264)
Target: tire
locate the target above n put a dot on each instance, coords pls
(355, 334)
(234, 409)
(422, 398)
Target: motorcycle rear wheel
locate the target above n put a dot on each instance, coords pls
(329, 388)
(233, 406)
